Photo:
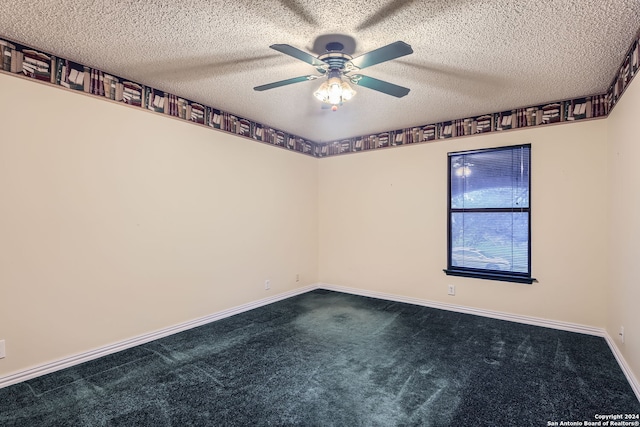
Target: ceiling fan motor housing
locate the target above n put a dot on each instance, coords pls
(335, 60)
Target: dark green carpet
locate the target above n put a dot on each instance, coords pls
(325, 358)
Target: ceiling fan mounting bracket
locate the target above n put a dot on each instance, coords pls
(334, 47)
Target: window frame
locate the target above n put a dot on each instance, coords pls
(481, 273)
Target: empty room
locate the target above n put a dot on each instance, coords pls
(365, 213)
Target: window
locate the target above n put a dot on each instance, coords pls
(489, 225)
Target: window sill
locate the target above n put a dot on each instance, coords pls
(503, 277)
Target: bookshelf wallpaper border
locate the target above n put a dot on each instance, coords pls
(23, 60)
(570, 110)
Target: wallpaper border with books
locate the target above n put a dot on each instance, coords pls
(23, 60)
(626, 72)
(570, 110)
(588, 107)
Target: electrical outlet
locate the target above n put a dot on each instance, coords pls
(622, 334)
(267, 284)
(2, 351)
(451, 290)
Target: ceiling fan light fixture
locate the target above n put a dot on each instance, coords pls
(347, 92)
(334, 91)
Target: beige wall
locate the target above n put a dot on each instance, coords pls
(623, 282)
(383, 224)
(115, 222)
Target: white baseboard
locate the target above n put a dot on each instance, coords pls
(142, 339)
(633, 381)
(77, 359)
(535, 321)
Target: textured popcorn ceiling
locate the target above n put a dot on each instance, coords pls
(470, 57)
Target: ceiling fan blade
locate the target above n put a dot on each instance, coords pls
(379, 85)
(285, 82)
(385, 53)
(298, 54)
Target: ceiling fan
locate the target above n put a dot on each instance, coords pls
(336, 65)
